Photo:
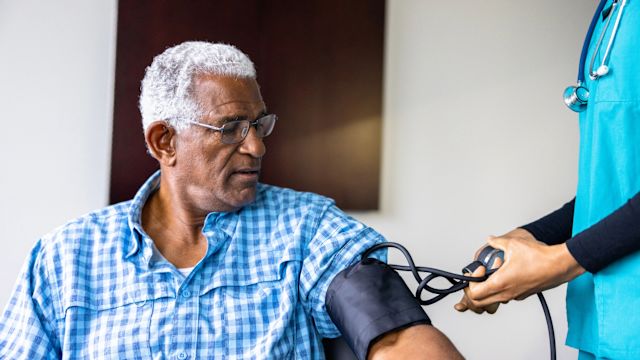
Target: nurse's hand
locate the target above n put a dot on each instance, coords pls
(529, 267)
(466, 304)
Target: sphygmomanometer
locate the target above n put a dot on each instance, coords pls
(369, 299)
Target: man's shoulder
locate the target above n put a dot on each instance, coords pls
(275, 196)
(80, 258)
(87, 230)
(298, 209)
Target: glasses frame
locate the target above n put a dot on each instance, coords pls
(245, 130)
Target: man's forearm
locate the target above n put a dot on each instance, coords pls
(415, 342)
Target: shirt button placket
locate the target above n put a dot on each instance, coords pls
(186, 308)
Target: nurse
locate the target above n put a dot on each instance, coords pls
(592, 241)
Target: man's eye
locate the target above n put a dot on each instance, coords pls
(231, 126)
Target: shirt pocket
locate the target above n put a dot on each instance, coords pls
(109, 325)
(259, 313)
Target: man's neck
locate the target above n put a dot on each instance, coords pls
(175, 229)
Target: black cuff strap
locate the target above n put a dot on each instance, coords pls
(369, 300)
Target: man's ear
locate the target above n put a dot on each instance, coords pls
(161, 139)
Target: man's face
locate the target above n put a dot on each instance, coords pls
(213, 176)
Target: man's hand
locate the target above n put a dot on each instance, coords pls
(415, 342)
(529, 267)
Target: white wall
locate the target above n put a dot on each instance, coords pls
(477, 141)
(476, 137)
(56, 95)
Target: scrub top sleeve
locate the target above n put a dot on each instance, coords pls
(612, 238)
(554, 228)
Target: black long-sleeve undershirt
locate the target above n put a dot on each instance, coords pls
(612, 238)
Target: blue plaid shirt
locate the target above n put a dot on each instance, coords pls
(92, 289)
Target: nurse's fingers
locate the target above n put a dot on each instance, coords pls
(489, 292)
(467, 304)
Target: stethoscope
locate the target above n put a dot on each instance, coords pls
(576, 96)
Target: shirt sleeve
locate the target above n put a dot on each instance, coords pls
(25, 324)
(612, 238)
(337, 243)
(554, 228)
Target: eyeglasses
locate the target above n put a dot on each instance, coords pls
(236, 131)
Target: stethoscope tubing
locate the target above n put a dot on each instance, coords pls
(577, 97)
(587, 41)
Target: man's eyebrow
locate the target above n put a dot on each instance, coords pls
(226, 119)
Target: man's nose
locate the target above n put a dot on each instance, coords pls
(253, 144)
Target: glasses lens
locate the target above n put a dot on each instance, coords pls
(264, 125)
(235, 131)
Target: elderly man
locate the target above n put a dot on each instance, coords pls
(204, 262)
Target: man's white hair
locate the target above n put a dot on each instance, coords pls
(167, 87)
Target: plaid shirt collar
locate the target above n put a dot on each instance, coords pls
(141, 242)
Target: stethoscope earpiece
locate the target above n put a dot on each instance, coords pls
(602, 70)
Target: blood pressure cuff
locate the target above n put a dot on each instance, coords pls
(368, 300)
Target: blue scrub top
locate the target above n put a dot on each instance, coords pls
(603, 309)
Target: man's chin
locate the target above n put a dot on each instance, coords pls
(245, 197)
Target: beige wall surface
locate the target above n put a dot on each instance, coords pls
(56, 94)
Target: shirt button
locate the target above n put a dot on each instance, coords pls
(186, 293)
(182, 356)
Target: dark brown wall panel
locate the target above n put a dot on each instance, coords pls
(319, 66)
